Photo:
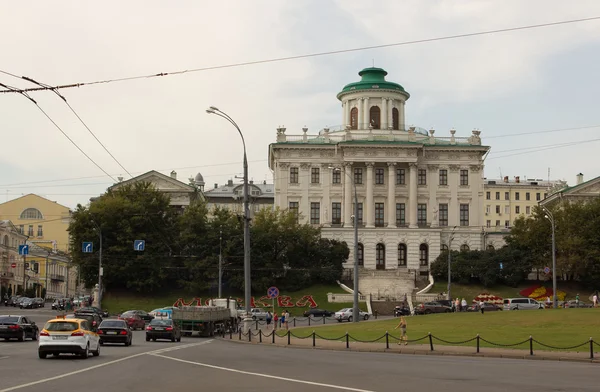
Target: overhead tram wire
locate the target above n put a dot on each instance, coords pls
(61, 131)
(309, 55)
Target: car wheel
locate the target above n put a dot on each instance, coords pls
(42, 355)
(22, 337)
(147, 339)
(101, 343)
(86, 352)
(97, 352)
(366, 317)
(254, 318)
(447, 311)
(349, 319)
(154, 339)
(428, 311)
(339, 320)
(173, 338)
(179, 339)
(36, 335)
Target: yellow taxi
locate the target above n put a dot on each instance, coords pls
(68, 336)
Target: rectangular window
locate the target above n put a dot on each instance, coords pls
(40, 232)
(527, 196)
(315, 175)
(294, 207)
(488, 195)
(30, 230)
(315, 213)
(422, 214)
(360, 213)
(497, 195)
(21, 229)
(464, 177)
(400, 214)
(497, 209)
(293, 175)
(528, 210)
(422, 177)
(379, 215)
(488, 209)
(443, 214)
(507, 209)
(488, 223)
(517, 196)
(358, 174)
(517, 209)
(336, 213)
(464, 215)
(506, 196)
(400, 176)
(497, 223)
(379, 175)
(506, 224)
(336, 177)
(444, 177)
(538, 196)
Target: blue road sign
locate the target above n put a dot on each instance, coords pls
(273, 292)
(547, 270)
(23, 250)
(87, 247)
(139, 245)
(501, 265)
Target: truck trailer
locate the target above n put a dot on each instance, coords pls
(205, 320)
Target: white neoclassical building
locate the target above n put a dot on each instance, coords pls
(414, 188)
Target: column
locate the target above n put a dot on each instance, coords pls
(325, 200)
(346, 114)
(281, 188)
(361, 115)
(412, 196)
(401, 120)
(370, 204)
(384, 113)
(391, 204)
(390, 111)
(348, 181)
(453, 207)
(366, 117)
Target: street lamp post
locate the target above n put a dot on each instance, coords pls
(450, 264)
(550, 217)
(247, 280)
(99, 299)
(220, 263)
(355, 309)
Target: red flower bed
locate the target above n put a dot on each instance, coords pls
(529, 290)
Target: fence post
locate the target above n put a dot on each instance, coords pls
(289, 334)
(314, 343)
(309, 320)
(387, 340)
(591, 348)
(240, 333)
(530, 345)
(249, 334)
(347, 340)
(273, 334)
(294, 321)
(323, 320)
(477, 343)
(260, 335)
(230, 333)
(256, 325)
(376, 314)
(430, 342)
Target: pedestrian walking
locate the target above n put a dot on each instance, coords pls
(482, 307)
(287, 319)
(577, 300)
(595, 300)
(269, 318)
(463, 305)
(275, 320)
(457, 305)
(402, 326)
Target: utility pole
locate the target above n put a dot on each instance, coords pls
(46, 273)
(220, 263)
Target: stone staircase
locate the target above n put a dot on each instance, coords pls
(389, 285)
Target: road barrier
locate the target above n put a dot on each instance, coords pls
(303, 320)
(387, 337)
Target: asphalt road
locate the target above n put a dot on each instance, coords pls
(198, 363)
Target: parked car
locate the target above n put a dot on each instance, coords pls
(11, 301)
(258, 314)
(318, 313)
(63, 336)
(27, 303)
(400, 310)
(347, 314)
(134, 321)
(487, 307)
(163, 329)
(144, 315)
(115, 331)
(90, 310)
(19, 300)
(92, 318)
(573, 304)
(18, 327)
(522, 304)
(432, 307)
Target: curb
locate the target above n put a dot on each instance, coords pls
(418, 352)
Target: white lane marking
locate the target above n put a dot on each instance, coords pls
(261, 374)
(3, 357)
(29, 384)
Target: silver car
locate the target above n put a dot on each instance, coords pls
(258, 314)
(522, 304)
(346, 315)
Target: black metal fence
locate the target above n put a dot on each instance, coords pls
(304, 321)
(387, 338)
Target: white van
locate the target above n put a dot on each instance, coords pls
(522, 304)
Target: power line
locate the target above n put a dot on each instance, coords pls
(538, 132)
(288, 58)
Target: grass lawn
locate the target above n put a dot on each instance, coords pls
(560, 327)
(118, 302)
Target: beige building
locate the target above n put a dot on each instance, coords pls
(231, 196)
(582, 191)
(415, 190)
(11, 263)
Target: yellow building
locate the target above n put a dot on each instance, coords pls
(11, 263)
(40, 219)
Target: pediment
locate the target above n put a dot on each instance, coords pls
(589, 188)
(162, 182)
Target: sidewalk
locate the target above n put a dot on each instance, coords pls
(419, 349)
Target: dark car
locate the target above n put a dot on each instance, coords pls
(39, 302)
(487, 307)
(11, 301)
(318, 313)
(18, 327)
(102, 313)
(432, 307)
(400, 310)
(28, 303)
(575, 304)
(92, 318)
(163, 329)
(115, 331)
(134, 321)
(143, 315)
(20, 300)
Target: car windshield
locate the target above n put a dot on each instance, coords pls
(8, 319)
(113, 324)
(344, 310)
(128, 315)
(64, 326)
(161, 322)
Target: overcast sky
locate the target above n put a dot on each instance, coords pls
(505, 84)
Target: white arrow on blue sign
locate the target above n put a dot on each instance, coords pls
(139, 245)
(87, 247)
(23, 249)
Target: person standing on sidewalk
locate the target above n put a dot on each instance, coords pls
(482, 307)
(463, 305)
(269, 318)
(287, 320)
(595, 300)
(275, 320)
(402, 326)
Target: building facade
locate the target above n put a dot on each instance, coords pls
(231, 196)
(415, 191)
(40, 219)
(582, 191)
(12, 269)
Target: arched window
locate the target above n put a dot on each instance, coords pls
(443, 248)
(354, 118)
(464, 248)
(375, 117)
(361, 254)
(395, 119)
(380, 256)
(490, 247)
(31, 213)
(402, 255)
(423, 254)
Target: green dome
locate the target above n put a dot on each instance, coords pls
(372, 79)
